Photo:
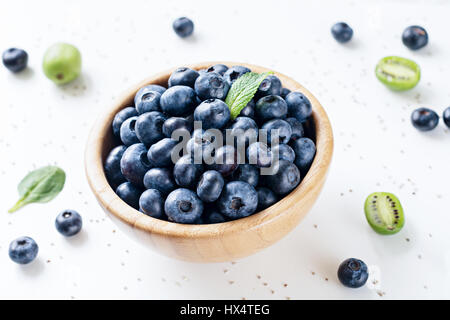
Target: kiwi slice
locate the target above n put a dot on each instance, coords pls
(398, 73)
(384, 213)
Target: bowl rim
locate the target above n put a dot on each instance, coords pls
(108, 199)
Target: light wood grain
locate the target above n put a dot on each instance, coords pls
(215, 242)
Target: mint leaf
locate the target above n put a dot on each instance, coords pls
(243, 90)
(40, 185)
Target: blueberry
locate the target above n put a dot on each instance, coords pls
(68, 223)
(284, 92)
(424, 119)
(238, 200)
(235, 72)
(210, 186)
(284, 152)
(112, 167)
(183, 27)
(129, 193)
(176, 123)
(160, 179)
(353, 273)
(415, 37)
(178, 100)
(259, 154)
(270, 107)
(134, 164)
(160, 153)
(120, 117)
(183, 77)
(183, 206)
(218, 68)
(151, 203)
(15, 60)
(149, 127)
(269, 86)
(266, 198)
(446, 117)
(128, 131)
(285, 178)
(247, 173)
(305, 150)
(186, 172)
(297, 128)
(23, 250)
(213, 113)
(148, 88)
(244, 129)
(226, 160)
(214, 217)
(277, 127)
(342, 32)
(202, 145)
(149, 102)
(249, 110)
(211, 85)
(299, 106)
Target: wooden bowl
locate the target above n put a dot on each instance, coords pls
(214, 242)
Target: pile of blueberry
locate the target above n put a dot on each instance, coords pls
(223, 184)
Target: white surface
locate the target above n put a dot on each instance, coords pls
(376, 146)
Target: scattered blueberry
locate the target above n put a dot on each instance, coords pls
(148, 127)
(271, 85)
(424, 119)
(297, 128)
(285, 178)
(128, 131)
(68, 223)
(271, 107)
(151, 203)
(15, 60)
(210, 186)
(415, 37)
(235, 72)
(134, 164)
(353, 273)
(342, 32)
(112, 166)
(284, 152)
(149, 102)
(183, 27)
(247, 173)
(305, 150)
(120, 117)
(213, 113)
(183, 77)
(23, 250)
(266, 198)
(218, 68)
(299, 106)
(130, 194)
(186, 172)
(183, 206)
(160, 153)
(211, 85)
(277, 127)
(446, 117)
(178, 101)
(238, 200)
(160, 179)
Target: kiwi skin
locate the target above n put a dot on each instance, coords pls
(381, 225)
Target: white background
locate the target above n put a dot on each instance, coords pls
(377, 149)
